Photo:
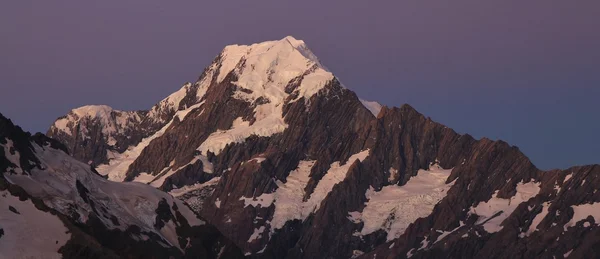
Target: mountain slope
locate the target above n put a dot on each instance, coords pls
(54, 206)
(270, 148)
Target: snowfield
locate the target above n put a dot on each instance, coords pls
(29, 232)
(394, 207)
(494, 211)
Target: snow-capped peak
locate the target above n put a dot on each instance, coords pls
(286, 58)
(96, 111)
(265, 71)
(112, 120)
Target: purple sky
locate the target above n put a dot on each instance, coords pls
(527, 72)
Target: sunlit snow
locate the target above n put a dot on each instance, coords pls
(394, 207)
(494, 211)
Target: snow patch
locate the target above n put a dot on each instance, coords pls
(257, 234)
(567, 253)
(241, 130)
(394, 207)
(494, 211)
(373, 107)
(144, 178)
(538, 218)
(265, 200)
(189, 188)
(567, 178)
(288, 196)
(581, 212)
(446, 233)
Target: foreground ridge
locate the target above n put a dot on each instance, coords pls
(56, 207)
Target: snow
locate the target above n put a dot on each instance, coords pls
(394, 207)
(268, 68)
(393, 175)
(265, 200)
(231, 56)
(32, 233)
(288, 197)
(334, 175)
(144, 178)
(568, 177)
(117, 167)
(62, 125)
(112, 121)
(374, 107)
(119, 163)
(170, 103)
(271, 124)
(581, 212)
(189, 188)
(567, 253)
(262, 250)
(132, 203)
(354, 216)
(357, 253)
(446, 233)
(94, 111)
(503, 207)
(538, 218)
(111, 141)
(169, 232)
(557, 187)
(207, 166)
(183, 113)
(160, 180)
(257, 234)
(258, 159)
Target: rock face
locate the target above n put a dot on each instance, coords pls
(271, 149)
(53, 206)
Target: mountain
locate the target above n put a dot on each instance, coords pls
(270, 148)
(53, 206)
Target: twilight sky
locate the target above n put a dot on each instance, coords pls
(527, 72)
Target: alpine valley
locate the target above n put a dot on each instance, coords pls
(268, 155)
